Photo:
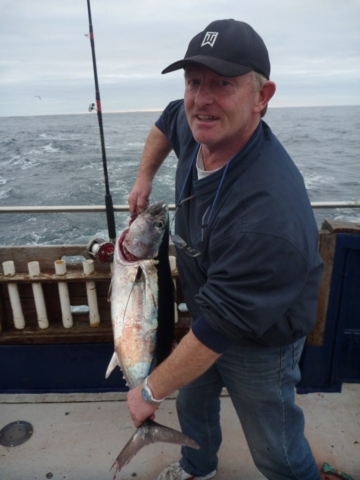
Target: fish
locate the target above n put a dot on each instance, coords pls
(142, 314)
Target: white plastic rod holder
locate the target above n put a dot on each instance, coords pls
(67, 319)
(19, 321)
(34, 271)
(88, 267)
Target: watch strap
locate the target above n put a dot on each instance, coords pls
(148, 395)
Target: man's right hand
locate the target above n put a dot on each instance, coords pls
(157, 147)
(138, 198)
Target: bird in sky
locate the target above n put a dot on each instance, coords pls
(38, 96)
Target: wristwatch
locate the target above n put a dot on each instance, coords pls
(147, 394)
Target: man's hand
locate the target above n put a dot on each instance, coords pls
(139, 409)
(138, 198)
(157, 147)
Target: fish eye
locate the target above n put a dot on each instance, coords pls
(159, 225)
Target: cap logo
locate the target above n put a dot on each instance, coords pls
(209, 38)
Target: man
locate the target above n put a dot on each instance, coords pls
(247, 254)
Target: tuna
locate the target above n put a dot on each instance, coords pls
(142, 313)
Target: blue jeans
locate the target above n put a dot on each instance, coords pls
(261, 383)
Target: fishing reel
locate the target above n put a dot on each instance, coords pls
(101, 250)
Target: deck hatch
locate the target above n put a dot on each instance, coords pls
(15, 433)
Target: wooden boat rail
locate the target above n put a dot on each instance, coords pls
(81, 330)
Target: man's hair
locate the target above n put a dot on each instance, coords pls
(258, 82)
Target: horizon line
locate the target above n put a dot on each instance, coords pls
(149, 110)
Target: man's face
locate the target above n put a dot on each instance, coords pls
(220, 110)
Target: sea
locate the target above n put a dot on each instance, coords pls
(57, 160)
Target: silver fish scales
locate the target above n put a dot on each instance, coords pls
(134, 317)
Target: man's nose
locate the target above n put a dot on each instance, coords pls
(204, 95)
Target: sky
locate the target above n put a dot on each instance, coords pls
(314, 48)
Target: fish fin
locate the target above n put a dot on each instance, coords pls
(160, 433)
(139, 272)
(112, 365)
(165, 300)
(150, 432)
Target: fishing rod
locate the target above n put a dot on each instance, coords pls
(108, 200)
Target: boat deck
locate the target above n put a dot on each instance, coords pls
(78, 436)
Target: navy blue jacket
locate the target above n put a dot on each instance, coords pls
(256, 280)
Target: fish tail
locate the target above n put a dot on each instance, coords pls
(112, 365)
(150, 432)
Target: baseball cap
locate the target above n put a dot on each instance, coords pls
(228, 47)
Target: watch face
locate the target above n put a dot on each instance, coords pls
(146, 395)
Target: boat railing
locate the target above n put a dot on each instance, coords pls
(51, 294)
(125, 208)
(57, 293)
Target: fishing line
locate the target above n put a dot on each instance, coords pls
(108, 200)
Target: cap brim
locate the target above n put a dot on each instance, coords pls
(219, 66)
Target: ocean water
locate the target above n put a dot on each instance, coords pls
(57, 160)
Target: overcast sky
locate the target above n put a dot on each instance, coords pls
(314, 48)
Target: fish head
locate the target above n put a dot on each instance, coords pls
(146, 232)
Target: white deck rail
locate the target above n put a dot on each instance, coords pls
(125, 208)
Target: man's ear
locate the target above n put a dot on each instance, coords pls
(264, 96)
